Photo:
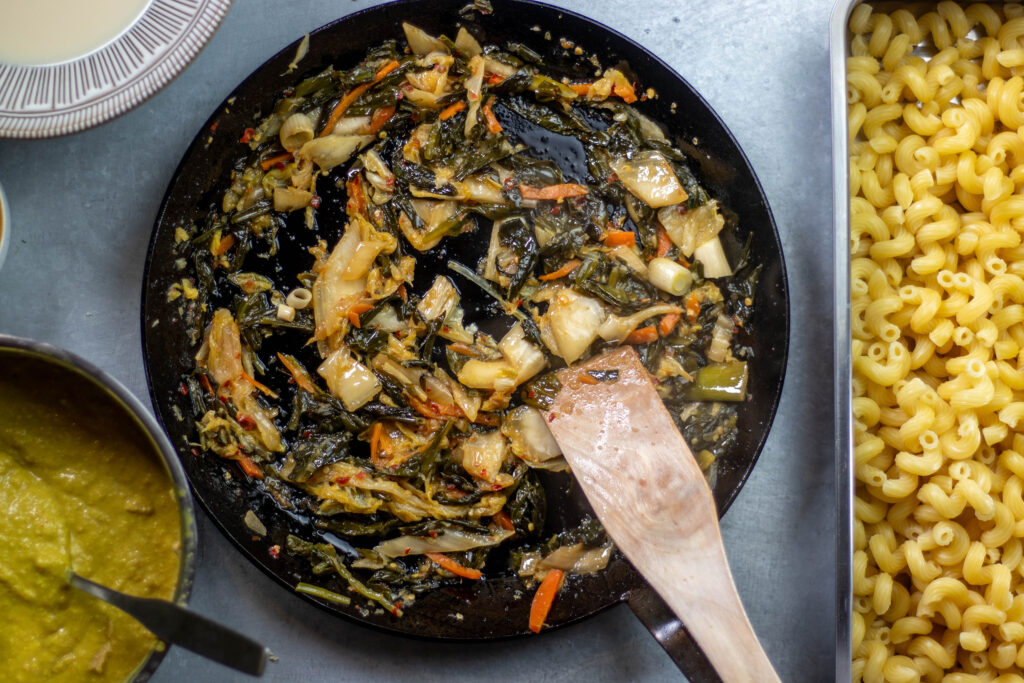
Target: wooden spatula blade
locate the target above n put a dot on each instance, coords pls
(649, 493)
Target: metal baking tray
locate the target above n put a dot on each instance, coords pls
(839, 49)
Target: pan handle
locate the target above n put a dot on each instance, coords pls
(670, 633)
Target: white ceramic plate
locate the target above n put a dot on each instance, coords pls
(45, 101)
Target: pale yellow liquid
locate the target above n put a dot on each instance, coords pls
(37, 32)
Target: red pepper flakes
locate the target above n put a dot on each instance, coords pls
(432, 533)
(341, 481)
(182, 389)
(195, 451)
(213, 126)
(246, 421)
(551, 417)
(315, 201)
(247, 135)
(555, 210)
(275, 551)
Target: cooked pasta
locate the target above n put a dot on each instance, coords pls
(936, 133)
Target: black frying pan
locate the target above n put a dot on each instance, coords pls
(488, 609)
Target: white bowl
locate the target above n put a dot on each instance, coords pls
(57, 99)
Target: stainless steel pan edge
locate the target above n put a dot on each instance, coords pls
(838, 50)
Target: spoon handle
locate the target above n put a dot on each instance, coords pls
(179, 626)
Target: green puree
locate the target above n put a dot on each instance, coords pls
(79, 486)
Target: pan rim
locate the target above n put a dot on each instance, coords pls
(501, 5)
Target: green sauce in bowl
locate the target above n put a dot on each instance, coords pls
(80, 486)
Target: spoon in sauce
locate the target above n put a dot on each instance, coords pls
(652, 498)
(37, 564)
(174, 624)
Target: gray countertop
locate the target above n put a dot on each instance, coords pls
(83, 207)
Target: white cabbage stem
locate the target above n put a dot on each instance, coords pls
(296, 131)
(285, 312)
(712, 256)
(299, 298)
(720, 337)
(348, 379)
(669, 276)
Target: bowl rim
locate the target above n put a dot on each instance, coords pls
(161, 445)
(5, 226)
(49, 100)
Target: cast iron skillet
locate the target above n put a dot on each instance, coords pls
(497, 607)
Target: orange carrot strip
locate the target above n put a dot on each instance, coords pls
(454, 567)
(568, 267)
(664, 241)
(434, 410)
(544, 598)
(224, 244)
(618, 238)
(465, 350)
(354, 311)
(345, 102)
(385, 70)
(587, 378)
(356, 195)
(263, 389)
(381, 117)
(250, 468)
(268, 164)
(301, 378)
(504, 521)
(452, 110)
(375, 433)
(205, 381)
(580, 88)
(668, 323)
(642, 336)
(626, 92)
(492, 121)
(692, 307)
(553, 191)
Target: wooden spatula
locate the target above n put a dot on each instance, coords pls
(651, 496)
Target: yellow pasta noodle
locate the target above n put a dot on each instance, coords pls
(936, 140)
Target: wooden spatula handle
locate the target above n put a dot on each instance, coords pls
(710, 609)
(652, 498)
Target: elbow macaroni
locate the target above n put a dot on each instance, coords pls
(937, 319)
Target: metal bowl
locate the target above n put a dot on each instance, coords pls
(135, 412)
